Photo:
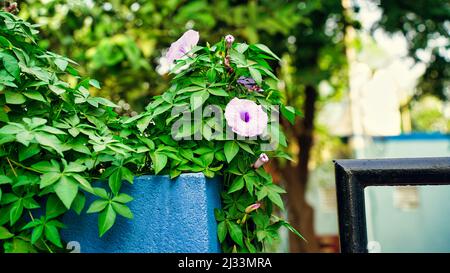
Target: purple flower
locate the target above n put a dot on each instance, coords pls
(252, 207)
(182, 46)
(263, 159)
(249, 83)
(245, 117)
(229, 39)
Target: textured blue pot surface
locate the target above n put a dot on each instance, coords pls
(169, 216)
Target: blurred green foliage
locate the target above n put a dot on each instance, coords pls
(120, 42)
(424, 23)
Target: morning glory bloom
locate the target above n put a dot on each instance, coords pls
(245, 117)
(252, 207)
(263, 159)
(182, 46)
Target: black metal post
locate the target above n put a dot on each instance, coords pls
(352, 176)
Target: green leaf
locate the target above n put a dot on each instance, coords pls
(293, 230)
(159, 162)
(5, 180)
(67, 190)
(161, 109)
(289, 113)
(54, 207)
(241, 47)
(101, 192)
(250, 181)
(94, 83)
(56, 89)
(32, 224)
(85, 185)
(198, 98)
(61, 64)
(30, 203)
(218, 92)
(115, 181)
(106, 220)
(143, 123)
(5, 43)
(266, 50)
(27, 152)
(256, 75)
(45, 166)
(52, 234)
(122, 210)
(127, 175)
(190, 89)
(235, 233)
(74, 167)
(16, 211)
(237, 184)
(231, 148)
(78, 203)
(276, 199)
(222, 231)
(34, 95)
(14, 97)
(18, 246)
(250, 246)
(97, 205)
(11, 64)
(49, 178)
(5, 234)
(246, 148)
(37, 233)
(49, 140)
(123, 198)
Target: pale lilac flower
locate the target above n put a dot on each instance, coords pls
(245, 117)
(262, 159)
(182, 46)
(249, 83)
(252, 207)
(229, 39)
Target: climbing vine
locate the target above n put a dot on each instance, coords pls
(58, 143)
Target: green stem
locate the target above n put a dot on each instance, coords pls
(22, 166)
(49, 249)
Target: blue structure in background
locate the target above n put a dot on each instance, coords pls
(169, 216)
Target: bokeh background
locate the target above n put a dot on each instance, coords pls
(371, 78)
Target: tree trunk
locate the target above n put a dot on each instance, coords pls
(301, 215)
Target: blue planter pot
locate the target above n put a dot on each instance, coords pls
(169, 216)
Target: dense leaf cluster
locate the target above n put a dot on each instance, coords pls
(55, 140)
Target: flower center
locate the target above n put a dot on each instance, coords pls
(245, 116)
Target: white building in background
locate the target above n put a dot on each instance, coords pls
(382, 79)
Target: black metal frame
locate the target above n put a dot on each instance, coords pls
(352, 176)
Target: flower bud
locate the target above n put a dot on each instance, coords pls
(263, 159)
(229, 39)
(252, 207)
